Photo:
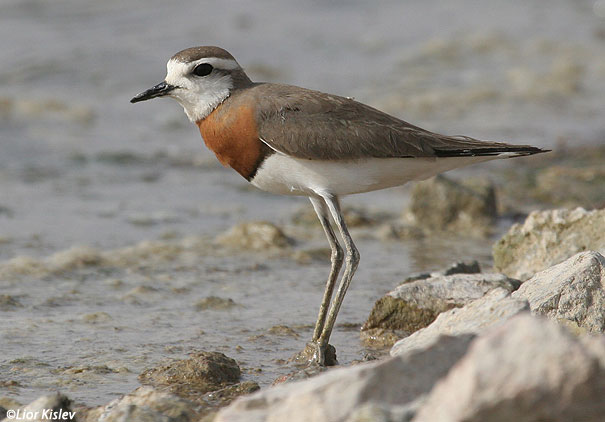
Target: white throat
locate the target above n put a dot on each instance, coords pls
(199, 96)
(198, 107)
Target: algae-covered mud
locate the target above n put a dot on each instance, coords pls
(121, 237)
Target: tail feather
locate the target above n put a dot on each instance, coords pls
(493, 149)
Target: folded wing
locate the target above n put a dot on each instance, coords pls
(316, 126)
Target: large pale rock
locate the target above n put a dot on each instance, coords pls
(393, 388)
(416, 304)
(145, 405)
(492, 309)
(527, 370)
(547, 238)
(447, 291)
(50, 407)
(443, 204)
(573, 290)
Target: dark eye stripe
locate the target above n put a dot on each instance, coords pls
(203, 69)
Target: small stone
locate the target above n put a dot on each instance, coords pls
(96, 317)
(442, 204)
(399, 231)
(283, 330)
(225, 396)
(308, 355)
(154, 218)
(256, 236)
(308, 256)
(190, 378)
(215, 303)
(8, 303)
(75, 258)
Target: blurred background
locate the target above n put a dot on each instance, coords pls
(84, 172)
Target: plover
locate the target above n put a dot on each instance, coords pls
(295, 141)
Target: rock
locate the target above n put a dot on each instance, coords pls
(526, 370)
(354, 216)
(376, 413)
(341, 394)
(191, 378)
(9, 303)
(399, 314)
(307, 356)
(456, 268)
(257, 236)
(383, 338)
(8, 402)
(283, 330)
(547, 238)
(96, 318)
(153, 218)
(571, 186)
(52, 407)
(225, 396)
(573, 290)
(399, 231)
(308, 256)
(145, 405)
(83, 258)
(214, 303)
(46, 109)
(415, 305)
(304, 371)
(442, 204)
(492, 309)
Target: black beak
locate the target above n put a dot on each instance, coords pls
(159, 90)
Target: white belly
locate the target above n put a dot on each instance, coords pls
(293, 176)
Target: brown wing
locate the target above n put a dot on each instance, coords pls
(313, 125)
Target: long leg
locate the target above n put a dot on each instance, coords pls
(351, 262)
(336, 260)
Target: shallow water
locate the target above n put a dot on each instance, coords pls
(80, 166)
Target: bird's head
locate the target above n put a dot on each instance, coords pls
(199, 78)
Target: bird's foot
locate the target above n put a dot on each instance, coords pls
(314, 353)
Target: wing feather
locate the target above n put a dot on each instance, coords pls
(316, 126)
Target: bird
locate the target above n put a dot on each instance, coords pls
(291, 140)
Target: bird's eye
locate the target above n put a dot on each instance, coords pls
(203, 69)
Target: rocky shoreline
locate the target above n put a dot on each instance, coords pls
(524, 341)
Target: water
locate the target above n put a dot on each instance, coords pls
(82, 167)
